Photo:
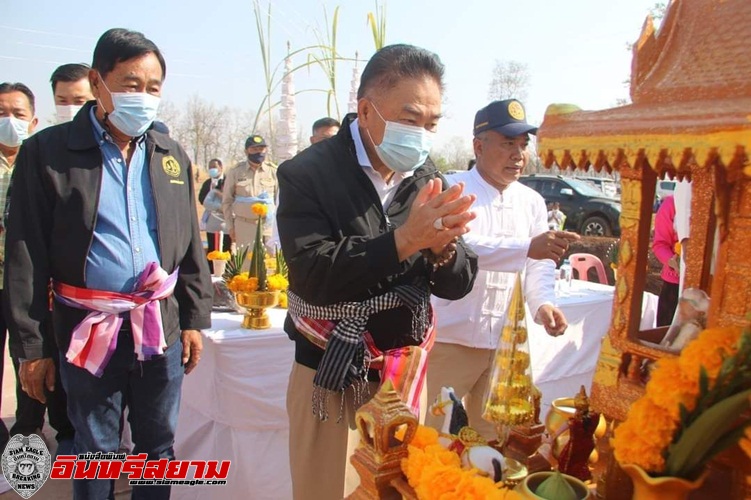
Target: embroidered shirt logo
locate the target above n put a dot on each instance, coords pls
(26, 464)
(171, 166)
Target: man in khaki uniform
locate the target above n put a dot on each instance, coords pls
(249, 182)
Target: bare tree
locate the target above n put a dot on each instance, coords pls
(510, 80)
(239, 125)
(201, 125)
(455, 154)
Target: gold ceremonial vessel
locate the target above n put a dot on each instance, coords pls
(561, 410)
(255, 305)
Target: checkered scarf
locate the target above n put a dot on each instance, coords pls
(340, 329)
(94, 340)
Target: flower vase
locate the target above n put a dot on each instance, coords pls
(219, 267)
(255, 305)
(647, 487)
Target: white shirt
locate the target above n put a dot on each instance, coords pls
(500, 236)
(384, 189)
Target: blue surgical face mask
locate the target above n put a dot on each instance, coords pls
(134, 111)
(213, 173)
(13, 131)
(404, 147)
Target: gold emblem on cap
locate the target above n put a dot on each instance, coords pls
(257, 139)
(171, 166)
(516, 110)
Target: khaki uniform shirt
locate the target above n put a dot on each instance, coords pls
(243, 180)
(6, 170)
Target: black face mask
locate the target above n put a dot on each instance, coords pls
(256, 158)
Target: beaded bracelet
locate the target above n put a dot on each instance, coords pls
(444, 258)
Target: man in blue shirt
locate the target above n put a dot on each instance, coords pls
(104, 208)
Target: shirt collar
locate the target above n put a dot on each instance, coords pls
(489, 189)
(261, 167)
(4, 163)
(100, 134)
(362, 154)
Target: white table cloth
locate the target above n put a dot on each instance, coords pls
(560, 365)
(233, 404)
(233, 408)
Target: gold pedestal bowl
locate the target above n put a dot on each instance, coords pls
(255, 305)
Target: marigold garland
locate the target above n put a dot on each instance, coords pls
(643, 438)
(435, 473)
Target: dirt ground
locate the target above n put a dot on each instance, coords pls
(600, 246)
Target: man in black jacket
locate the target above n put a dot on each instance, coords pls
(368, 234)
(103, 207)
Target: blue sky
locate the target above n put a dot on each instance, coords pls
(575, 50)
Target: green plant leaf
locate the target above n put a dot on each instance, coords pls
(728, 440)
(685, 455)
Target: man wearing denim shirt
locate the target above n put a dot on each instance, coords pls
(104, 207)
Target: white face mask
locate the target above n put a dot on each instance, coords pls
(13, 131)
(66, 112)
(134, 111)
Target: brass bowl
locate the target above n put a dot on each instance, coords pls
(561, 411)
(255, 305)
(526, 489)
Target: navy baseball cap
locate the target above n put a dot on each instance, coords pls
(254, 140)
(505, 117)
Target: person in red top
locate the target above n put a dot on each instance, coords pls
(663, 246)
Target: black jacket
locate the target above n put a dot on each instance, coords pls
(339, 244)
(53, 213)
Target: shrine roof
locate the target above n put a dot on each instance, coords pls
(691, 93)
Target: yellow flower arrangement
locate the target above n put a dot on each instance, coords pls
(283, 300)
(217, 255)
(243, 283)
(690, 408)
(276, 282)
(260, 209)
(435, 473)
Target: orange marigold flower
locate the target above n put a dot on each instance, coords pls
(669, 387)
(745, 442)
(260, 209)
(250, 285)
(644, 436)
(435, 472)
(709, 349)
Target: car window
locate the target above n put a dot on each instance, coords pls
(550, 188)
(584, 188)
(667, 185)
